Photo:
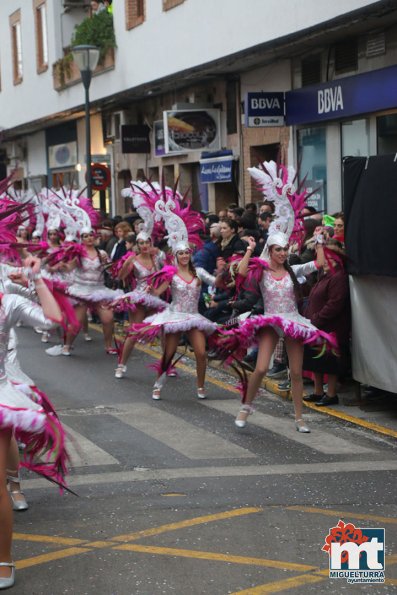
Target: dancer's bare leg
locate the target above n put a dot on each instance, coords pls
(267, 340)
(81, 315)
(295, 360)
(197, 341)
(135, 318)
(106, 316)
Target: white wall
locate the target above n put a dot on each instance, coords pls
(196, 32)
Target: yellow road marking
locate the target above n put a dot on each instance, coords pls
(50, 557)
(47, 539)
(283, 585)
(368, 425)
(345, 514)
(200, 555)
(186, 523)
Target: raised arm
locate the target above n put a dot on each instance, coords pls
(243, 265)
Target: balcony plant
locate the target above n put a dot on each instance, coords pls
(96, 30)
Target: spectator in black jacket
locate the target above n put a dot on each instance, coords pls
(230, 243)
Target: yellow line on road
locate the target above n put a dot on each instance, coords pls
(47, 539)
(50, 557)
(345, 514)
(186, 523)
(368, 425)
(200, 555)
(283, 585)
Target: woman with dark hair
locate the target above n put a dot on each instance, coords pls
(230, 243)
(329, 309)
(339, 227)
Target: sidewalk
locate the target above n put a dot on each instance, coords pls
(377, 414)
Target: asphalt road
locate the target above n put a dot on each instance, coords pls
(174, 500)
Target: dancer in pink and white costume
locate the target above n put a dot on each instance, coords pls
(279, 286)
(137, 268)
(181, 316)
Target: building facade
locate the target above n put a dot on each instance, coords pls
(201, 82)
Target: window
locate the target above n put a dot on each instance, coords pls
(16, 45)
(355, 138)
(387, 134)
(312, 157)
(168, 4)
(346, 56)
(134, 13)
(40, 10)
(311, 70)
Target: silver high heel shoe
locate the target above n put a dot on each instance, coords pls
(241, 419)
(6, 583)
(201, 393)
(17, 496)
(301, 426)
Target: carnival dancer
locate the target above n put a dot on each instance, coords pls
(133, 269)
(184, 281)
(88, 289)
(279, 286)
(35, 424)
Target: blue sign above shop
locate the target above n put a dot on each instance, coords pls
(343, 98)
(216, 167)
(264, 109)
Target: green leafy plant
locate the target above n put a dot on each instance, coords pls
(63, 68)
(96, 30)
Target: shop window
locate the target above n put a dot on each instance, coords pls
(168, 4)
(355, 138)
(311, 70)
(387, 134)
(312, 156)
(40, 13)
(135, 13)
(346, 56)
(16, 45)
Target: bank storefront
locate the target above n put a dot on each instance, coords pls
(352, 116)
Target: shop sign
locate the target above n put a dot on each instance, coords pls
(264, 109)
(191, 130)
(343, 98)
(217, 168)
(135, 139)
(100, 176)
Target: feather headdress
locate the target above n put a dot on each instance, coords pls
(277, 182)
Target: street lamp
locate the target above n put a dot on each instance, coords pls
(86, 58)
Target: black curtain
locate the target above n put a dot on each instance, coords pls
(370, 201)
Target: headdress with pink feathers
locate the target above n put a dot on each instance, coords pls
(277, 182)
